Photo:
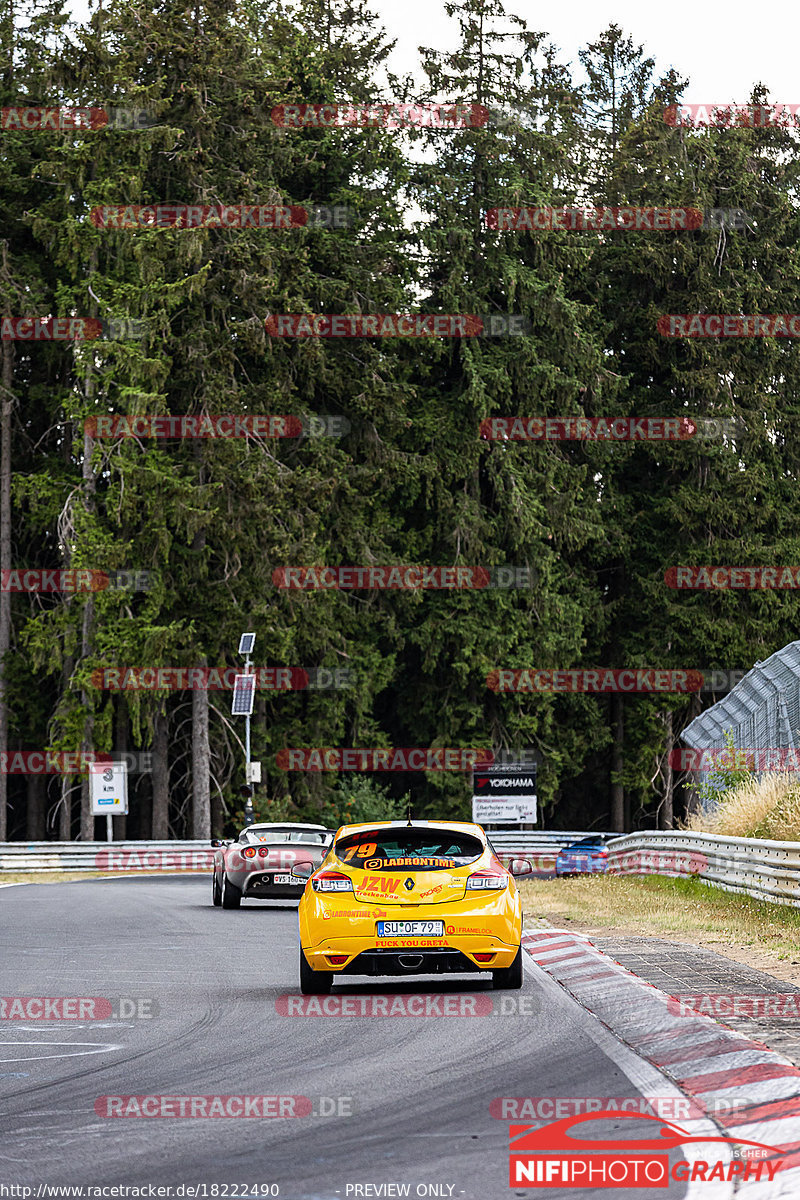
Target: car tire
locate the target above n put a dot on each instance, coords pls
(216, 893)
(231, 894)
(314, 983)
(509, 978)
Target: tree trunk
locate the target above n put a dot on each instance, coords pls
(6, 402)
(35, 808)
(201, 764)
(87, 633)
(617, 789)
(665, 813)
(160, 777)
(65, 810)
(121, 746)
(87, 745)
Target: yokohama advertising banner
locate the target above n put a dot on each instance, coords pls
(504, 794)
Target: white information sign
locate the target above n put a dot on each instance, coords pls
(108, 784)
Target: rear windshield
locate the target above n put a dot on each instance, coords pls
(408, 849)
(312, 837)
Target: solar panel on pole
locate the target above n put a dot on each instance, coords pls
(246, 643)
(244, 691)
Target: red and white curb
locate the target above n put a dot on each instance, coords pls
(707, 1060)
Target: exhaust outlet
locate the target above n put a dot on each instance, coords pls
(410, 961)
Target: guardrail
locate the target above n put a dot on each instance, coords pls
(115, 857)
(763, 869)
(541, 846)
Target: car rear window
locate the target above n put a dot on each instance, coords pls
(313, 837)
(408, 849)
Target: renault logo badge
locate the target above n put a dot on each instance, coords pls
(409, 885)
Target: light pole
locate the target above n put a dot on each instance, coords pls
(244, 688)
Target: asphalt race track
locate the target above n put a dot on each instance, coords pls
(410, 1096)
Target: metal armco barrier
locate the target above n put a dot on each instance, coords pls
(123, 857)
(540, 847)
(765, 870)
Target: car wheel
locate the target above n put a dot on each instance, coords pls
(231, 894)
(509, 978)
(216, 893)
(314, 983)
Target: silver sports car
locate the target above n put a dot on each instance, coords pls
(259, 862)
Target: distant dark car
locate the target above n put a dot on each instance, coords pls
(582, 858)
(259, 862)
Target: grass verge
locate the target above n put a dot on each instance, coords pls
(754, 932)
(49, 876)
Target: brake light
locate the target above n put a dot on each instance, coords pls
(332, 881)
(483, 957)
(250, 852)
(336, 960)
(483, 881)
(264, 852)
(602, 853)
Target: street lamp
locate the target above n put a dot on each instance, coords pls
(244, 690)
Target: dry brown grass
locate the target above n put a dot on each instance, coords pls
(49, 876)
(765, 808)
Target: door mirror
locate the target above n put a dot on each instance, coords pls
(302, 870)
(217, 842)
(520, 866)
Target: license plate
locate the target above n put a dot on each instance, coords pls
(285, 879)
(410, 928)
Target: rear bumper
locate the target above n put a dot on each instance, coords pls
(410, 962)
(257, 886)
(413, 958)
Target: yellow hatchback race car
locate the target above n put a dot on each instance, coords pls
(402, 898)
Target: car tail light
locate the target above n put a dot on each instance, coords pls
(332, 881)
(263, 852)
(602, 853)
(483, 881)
(336, 960)
(250, 852)
(483, 957)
